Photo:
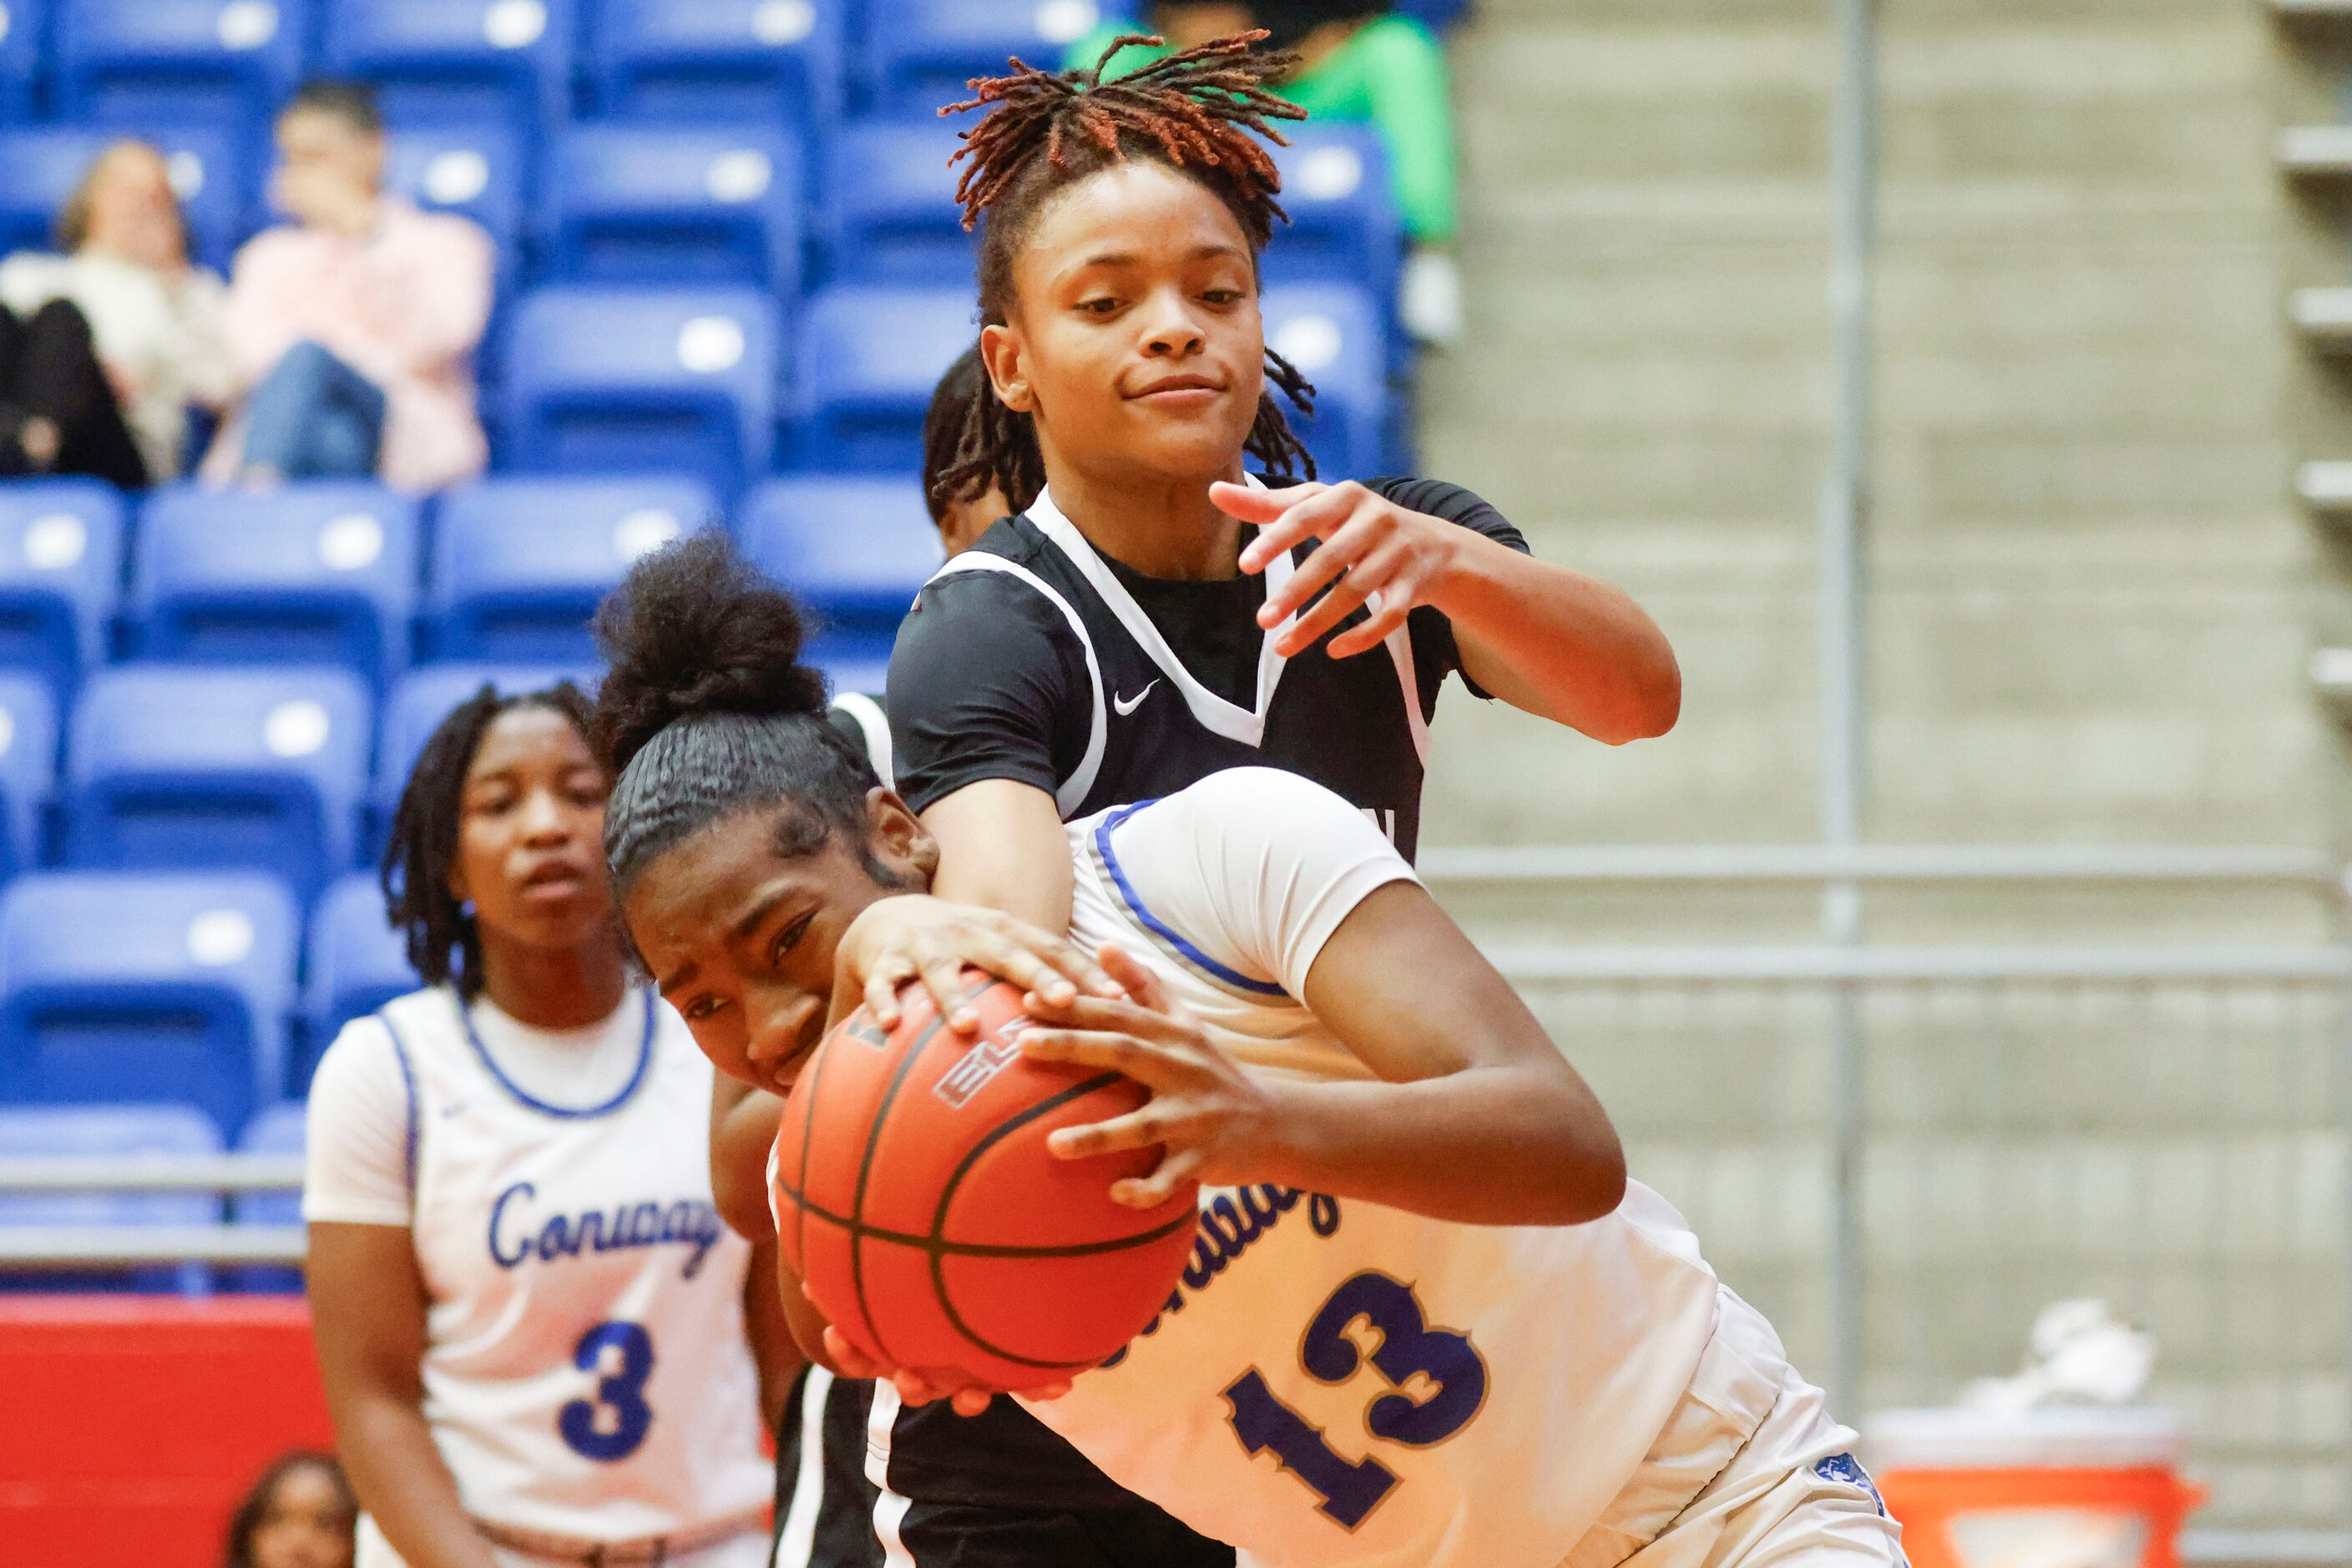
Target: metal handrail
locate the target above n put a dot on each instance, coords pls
(156, 1174)
(35, 1248)
(1820, 964)
(2277, 865)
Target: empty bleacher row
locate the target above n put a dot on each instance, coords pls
(726, 228)
(207, 710)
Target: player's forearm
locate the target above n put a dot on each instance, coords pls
(404, 1484)
(1002, 847)
(1558, 644)
(1499, 1145)
(741, 1137)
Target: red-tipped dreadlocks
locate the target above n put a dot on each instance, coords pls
(1201, 111)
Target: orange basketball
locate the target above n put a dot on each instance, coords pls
(934, 1228)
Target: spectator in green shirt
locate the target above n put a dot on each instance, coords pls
(1357, 64)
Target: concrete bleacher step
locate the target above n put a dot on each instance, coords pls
(2325, 488)
(2331, 678)
(2315, 152)
(2322, 318)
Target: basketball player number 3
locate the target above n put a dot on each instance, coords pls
(611, 1424)
(1410, 1350)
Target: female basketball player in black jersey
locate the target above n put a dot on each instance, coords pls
(1127, 635)
(1154, 615)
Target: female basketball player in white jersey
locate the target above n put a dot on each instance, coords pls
(1428, 1323)
(531, 1322)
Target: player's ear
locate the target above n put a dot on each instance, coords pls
(900, 843)
(1001, 351)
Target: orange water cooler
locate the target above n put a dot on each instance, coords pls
(2058, 1486)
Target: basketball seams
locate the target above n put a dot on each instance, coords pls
(891, 1272)
(907, 1061)
(925, 1243)
(954, 1183)
(808, 1140)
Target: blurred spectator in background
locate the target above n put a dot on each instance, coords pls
(961, 519)
(299, 1514)
(1359, 64)
(352, 330)
(107, 341)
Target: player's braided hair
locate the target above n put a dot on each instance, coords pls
(1201, 111)
(442, 943)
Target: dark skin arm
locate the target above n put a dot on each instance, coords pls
(766, 1325)
(1546, 640)
(1475, 1117)
(743, 1129)
(367, 1310)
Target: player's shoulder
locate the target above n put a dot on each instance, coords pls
(378, 1054)
(1246, 808)
(1005, 585)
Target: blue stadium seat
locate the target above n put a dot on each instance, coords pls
(889, 213)
(600, 378)
(116, 986)
(779, 61)
(1437, 16)
(24, 57)
(41, 164)
(308, 574)
(854, 548)
(870, 355)
(280, 1129)
(60, 575)
(920, 53)
(1343, 225)
(119, 1133)
(1332, 334)
(677, 204)
(358, 963)
(178, 62)
(519, 565)
(187, 766)
(470, 62)
(474, 171)
(426, 695)
(28, 768)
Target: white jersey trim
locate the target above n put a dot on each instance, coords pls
(1399, 645)
(796, 1537)
(1215, 712)
(874, 725)
(1072, 793)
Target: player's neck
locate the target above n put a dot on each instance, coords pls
(1161, 528)
(552, 988)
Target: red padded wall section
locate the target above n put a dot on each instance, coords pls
(130, 1426)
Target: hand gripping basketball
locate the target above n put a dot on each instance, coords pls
(1213, 1119)
(932, 1224)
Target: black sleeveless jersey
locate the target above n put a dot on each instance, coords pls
(1031, 657)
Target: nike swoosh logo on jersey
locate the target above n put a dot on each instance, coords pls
(1127, 705)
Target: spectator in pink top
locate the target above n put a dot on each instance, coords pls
(352, 330)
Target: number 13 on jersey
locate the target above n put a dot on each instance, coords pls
(1448, 1387)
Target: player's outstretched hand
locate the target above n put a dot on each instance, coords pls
(914, 1387)
(913, 936)
(1370, 545)
(1213, 1119)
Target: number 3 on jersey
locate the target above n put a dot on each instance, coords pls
(1409, 1350)
(610, 1426)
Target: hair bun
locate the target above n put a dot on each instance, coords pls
(695, 628)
